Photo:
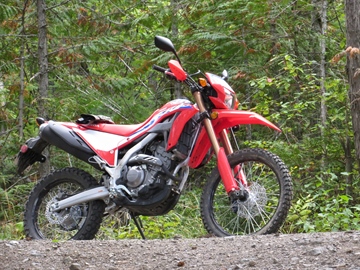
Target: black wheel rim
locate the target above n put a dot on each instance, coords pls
(64, 224)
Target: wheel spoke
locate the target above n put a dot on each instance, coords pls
(67, 222)
(265, 200)
(40, 222)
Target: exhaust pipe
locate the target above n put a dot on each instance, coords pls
(98, 193)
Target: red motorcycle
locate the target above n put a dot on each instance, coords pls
(145, 166)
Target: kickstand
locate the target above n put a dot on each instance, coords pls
(138, 224)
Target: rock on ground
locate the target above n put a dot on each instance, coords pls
(339, 250)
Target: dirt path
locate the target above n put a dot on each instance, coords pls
(296, 251)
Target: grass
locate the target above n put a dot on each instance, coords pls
(313, 213)
(184, 221)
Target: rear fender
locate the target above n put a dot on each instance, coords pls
(63, 137)
(30, 153)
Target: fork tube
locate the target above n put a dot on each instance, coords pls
(222, 162)
(238, 171)
(226, 142)
(207, 123)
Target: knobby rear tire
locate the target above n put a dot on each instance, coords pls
(264, 212)
(79, 222)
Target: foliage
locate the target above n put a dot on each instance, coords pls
(323, 213)
(184, 221)
(12, 202)
(100, 58)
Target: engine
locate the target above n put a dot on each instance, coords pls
(144, 175)
(148, 171)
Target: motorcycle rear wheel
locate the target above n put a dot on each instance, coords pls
(269, 196)
(78, 222)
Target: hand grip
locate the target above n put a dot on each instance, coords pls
(160, 69)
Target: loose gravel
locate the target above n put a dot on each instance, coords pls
(340, 250)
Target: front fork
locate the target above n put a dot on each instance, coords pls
(230, 183)
(238, 171)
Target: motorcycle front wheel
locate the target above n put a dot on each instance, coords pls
(267, 201)
(78, 222)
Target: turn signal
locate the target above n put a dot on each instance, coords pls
(214, 115)
(40, 121)
(237, 103)
(202, 82)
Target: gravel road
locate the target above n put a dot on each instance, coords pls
(340, 250)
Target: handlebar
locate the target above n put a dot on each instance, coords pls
(160, 69)
(167, 72)
(189, 81)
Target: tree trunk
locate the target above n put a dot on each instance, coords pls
(323, 17)
(346, 144)
(21, 94)
(352, 12)
(43, 74)
(175, 32)
(319, 22)
(22, 73)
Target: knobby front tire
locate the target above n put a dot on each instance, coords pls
(78, 222)
(267, 205)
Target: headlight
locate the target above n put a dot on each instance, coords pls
(229, 100)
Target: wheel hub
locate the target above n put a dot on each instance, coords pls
(68, 218)
(252, 204)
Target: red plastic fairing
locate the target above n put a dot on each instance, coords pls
(106, 139)
(225, 172)
(178, 126)
(221, 87)
(201, 148)
(225, 120)
(177, 70)
(122, 130)
(230, 118)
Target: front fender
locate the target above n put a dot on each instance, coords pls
(229, 118)
(225, 119)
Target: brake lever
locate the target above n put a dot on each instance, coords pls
(196, 73)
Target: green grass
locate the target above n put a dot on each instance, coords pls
(184, 221)
(316, 212)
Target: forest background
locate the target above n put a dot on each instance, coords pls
(286, 60)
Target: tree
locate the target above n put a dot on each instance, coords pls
(22, 73)
(352, 11)
(175, 32)
(319, 22)
(99, 57)
(44, 168)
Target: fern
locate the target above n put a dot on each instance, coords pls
(8, 11)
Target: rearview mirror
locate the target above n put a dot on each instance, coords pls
(164, 44)
(225, 75)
